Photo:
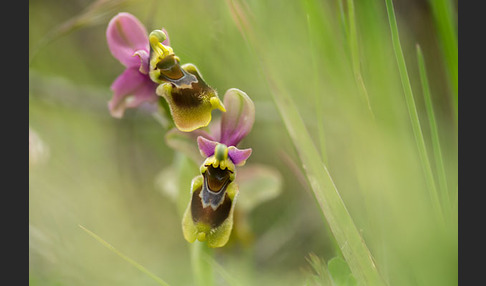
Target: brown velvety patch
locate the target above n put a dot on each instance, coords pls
(207, 215)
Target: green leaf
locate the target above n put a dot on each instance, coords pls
(340, 273)
(257, 183)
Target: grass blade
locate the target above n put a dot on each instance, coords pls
(332, 206)
(127, 259)
(354, 48)
(433, 128)
(350, 242)
(445, 22)
(317, 97)
(412, 110)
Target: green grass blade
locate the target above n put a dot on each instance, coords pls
(412, 110)
(446, 26)
(349, 239)
(126, 258)
(332, 206)
(433, 128)
(317, 96)
(354, 48)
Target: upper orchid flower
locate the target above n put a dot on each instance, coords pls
(129, 43)
(209, 215)
(190, 99)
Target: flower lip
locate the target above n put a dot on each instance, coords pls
(214, 215)
(190, 103)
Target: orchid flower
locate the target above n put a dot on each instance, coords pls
(209, 215)
(190, 98)
(153, 70)
(129, 43)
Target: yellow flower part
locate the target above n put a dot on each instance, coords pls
(190, 104)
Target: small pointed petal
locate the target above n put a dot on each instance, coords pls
(238, 156)
(130, 90)
(237, 122)
(144, 61)
(125, 36)
(206, 147)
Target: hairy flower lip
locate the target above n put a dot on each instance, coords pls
(190, 104)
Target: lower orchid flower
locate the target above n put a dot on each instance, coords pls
(209, 214)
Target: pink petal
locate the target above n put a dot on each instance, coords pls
(131, 89)
(238, 156)
(125, 36)
(238, 119)
(206, 147)
(144, 61)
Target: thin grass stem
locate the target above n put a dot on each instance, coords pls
(446, 27)
(354, 48)
(349, 239)
(317, 96)
(439, 162)
(412, 110)
(124, 257)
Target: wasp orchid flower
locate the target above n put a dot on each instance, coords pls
(209, 215)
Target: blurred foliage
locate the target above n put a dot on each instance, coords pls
(101, 172)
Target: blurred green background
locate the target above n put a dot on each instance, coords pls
(87, 168)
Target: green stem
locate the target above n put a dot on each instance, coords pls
(124, 257)
(354, 48)
(441, 174)
(317, 95)
(446, 26)
(201, 266)
(417, 131)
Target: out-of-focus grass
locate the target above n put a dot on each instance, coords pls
(100, 172)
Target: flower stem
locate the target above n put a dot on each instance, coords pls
(201, 267)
